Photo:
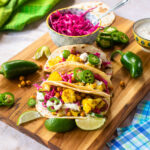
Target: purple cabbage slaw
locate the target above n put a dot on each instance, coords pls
(71, 24)
(98, 77)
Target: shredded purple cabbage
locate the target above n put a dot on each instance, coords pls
(106, 63)
(98, 77)
(97, 54)
(71, 24)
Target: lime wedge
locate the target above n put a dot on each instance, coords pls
(47, 52)
(28, 116)
(60, 124)
(90, 123)
(43, 50)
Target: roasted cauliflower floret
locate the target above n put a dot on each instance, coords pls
(74, 113)
(55, 76)
(68, 96)
(73, 58)
(89, 104)
(91, 86)
(54, 61)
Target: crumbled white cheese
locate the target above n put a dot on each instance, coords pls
(61, 55)
(84, 57)
(99, 64)
(103, 57)
(56, 106)
(71, 106)
(98, 82)
(49, 103)
(40, 96)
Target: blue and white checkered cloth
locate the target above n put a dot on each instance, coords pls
(137, 135)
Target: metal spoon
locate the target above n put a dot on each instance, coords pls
(118, 5)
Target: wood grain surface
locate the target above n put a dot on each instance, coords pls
(123, 102)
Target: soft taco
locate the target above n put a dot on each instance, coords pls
(55, 100)
(99, 9)
(81, 53)
(82, 77)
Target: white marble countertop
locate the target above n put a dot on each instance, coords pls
(13, 42)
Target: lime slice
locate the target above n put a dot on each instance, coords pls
(28, 116)
(90, 123)
(43, 50)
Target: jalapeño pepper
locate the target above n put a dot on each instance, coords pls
(106, 43)
(56, 101)
(111, 36)
(93, 59)
(104, 40)
(51, 109)
(123, 38)
(96, 115)
(131, 62)
(105, 35)
(6, 99)
(115, 36)
(88, 76)
(110, 29)
(16, 68)
(66, 53)
(31, 102)
(78, 74)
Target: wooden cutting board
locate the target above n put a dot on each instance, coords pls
(123, 102)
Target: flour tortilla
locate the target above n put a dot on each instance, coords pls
(70, 66)
(45, 113)
(81, 48)
(100, 9)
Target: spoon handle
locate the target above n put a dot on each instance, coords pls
(118, 5)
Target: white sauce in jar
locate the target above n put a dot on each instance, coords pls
(143, 30)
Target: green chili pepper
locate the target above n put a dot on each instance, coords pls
(123, 38)
(111, 36)
(56, 101)
(105, 43)
(66, 53)
(96, 115)
(31, 102)
(51, 109)
(88, 76)
(93, 59)
(6, 99)
(110, 29)
(78, 74)
(104, 40)
(16, 68)
(1, 99)
(130, 61)
(105, 35)
(115, 37)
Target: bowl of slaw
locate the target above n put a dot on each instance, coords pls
(69, 26)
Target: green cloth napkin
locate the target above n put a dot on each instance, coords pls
(15, 14)
(3, 2)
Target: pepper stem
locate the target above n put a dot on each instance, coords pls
(115, 52)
